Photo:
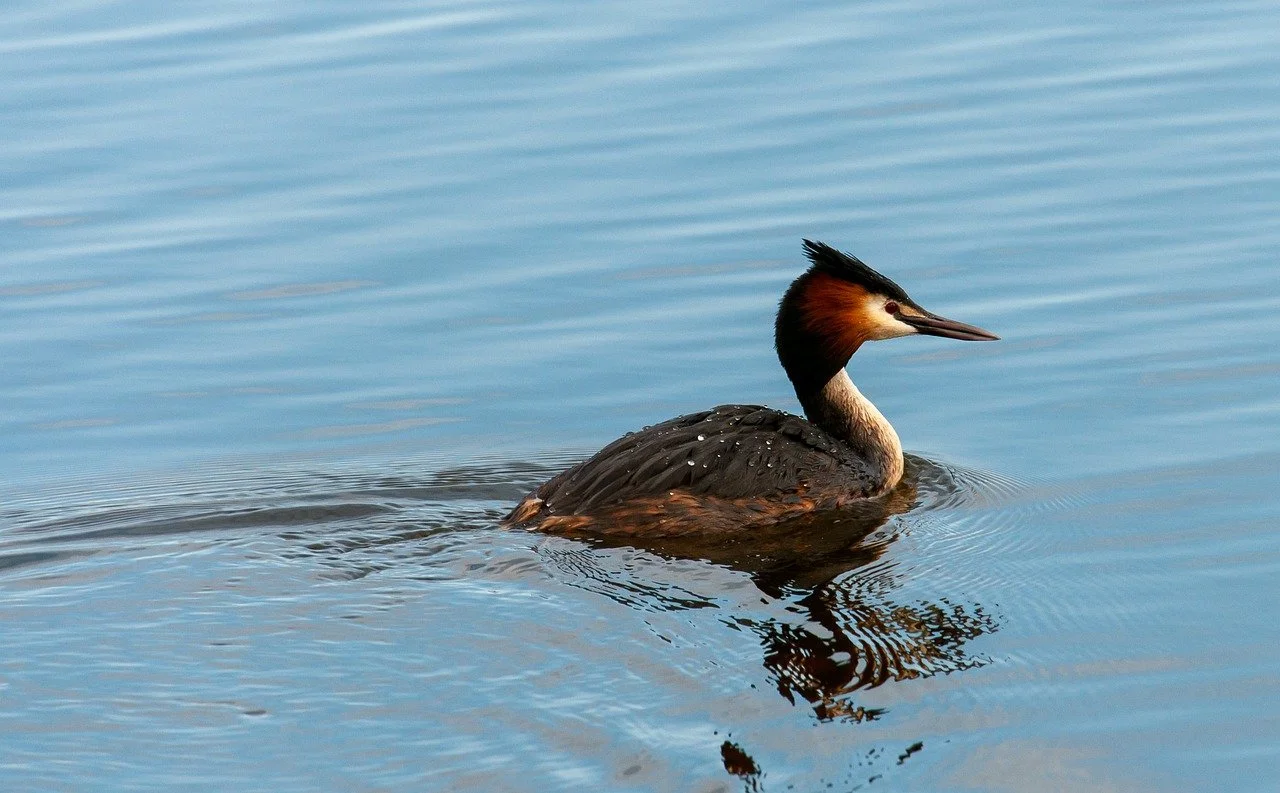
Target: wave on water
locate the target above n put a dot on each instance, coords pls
(829, 603)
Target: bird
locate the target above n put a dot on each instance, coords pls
(738, 468)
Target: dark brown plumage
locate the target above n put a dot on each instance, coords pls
(715, 471)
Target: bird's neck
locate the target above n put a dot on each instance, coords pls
(814, 353)
(840, 408)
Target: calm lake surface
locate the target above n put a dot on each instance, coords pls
(297, 299)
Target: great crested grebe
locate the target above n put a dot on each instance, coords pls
(741, 467)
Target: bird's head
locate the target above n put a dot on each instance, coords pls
(840, 302)
(845, 297)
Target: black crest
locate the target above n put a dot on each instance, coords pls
(850, 268)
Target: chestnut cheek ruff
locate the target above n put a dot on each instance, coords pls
(835, 311)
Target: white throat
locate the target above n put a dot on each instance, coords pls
(844, 412)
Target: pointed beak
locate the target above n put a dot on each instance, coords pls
(934, 325)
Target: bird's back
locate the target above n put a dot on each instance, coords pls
(725, 469)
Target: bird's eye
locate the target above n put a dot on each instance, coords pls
(891, 307)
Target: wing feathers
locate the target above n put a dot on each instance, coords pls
(731, 452)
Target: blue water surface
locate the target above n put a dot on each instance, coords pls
(297, 299)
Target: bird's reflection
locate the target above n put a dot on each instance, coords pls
(851, 633)
(867, 643)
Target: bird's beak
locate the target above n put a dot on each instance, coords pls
(934, 325)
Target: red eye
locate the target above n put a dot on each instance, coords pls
(891, 307)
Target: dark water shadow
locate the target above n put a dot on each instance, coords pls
(827, 601)
(845, 629)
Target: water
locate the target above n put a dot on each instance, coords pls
(298, 299)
